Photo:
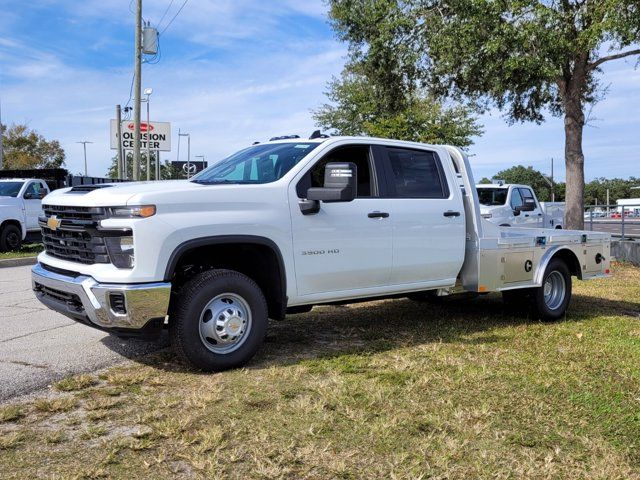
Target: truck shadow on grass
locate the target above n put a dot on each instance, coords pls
(330, 331)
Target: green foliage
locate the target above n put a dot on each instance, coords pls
(596, 190)
(379, 99)
(25, 148)
(167, 170)
(527, 57)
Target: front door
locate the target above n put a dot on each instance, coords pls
(32, 198)
(346, 246)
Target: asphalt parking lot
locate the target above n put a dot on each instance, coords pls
(39, 346)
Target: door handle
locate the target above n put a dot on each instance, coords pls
(378, 215)
(526, 214)
(539, 214)
(451, 213)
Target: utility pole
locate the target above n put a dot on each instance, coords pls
(137, 76)
(553, 188)
(119, 138)
(188, 151)
(84, 145)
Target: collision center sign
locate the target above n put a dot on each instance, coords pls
(158, 134)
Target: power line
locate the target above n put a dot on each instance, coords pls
(174, 17)
(165, 13)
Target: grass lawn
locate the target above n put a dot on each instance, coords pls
(27, 250)
(387, 389)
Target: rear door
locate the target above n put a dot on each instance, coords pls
(426, 212)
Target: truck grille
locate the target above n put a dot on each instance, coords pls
(76, 237)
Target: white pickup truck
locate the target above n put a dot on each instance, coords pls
(20, 207)
(511, 205)
(281, 226)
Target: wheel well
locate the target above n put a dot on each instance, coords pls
(259, 261)
(11, 222)
(572, 262)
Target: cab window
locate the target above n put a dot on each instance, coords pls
(415, 174)
(358, 154)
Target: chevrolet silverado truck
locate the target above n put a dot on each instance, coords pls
(282, 226)
(20, 208)
(514, 205)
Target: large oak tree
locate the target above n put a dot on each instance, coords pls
(527, 57)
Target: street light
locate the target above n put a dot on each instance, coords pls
(188, 135)
(148, 92)
(84, 145)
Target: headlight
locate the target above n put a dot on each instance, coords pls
(142, 211)
(121, 250)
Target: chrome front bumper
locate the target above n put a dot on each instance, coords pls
(105, 306)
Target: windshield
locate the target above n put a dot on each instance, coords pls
(492, 196)
(256, 164)
(10, 189)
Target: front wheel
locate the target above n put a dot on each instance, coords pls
(10, 238)
(551, 300)
(218, 321)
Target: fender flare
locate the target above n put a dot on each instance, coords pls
(229, 240)
(546, 258)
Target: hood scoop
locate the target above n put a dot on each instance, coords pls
(82, 189)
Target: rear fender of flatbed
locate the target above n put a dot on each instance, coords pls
(518, 258)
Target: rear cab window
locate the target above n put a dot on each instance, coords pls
(413, 173)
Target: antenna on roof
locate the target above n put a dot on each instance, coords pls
(318, 134)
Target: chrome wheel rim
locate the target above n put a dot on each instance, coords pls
(554, 290)
(224, 323)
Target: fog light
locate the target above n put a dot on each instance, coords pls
(117, 303)
(121, 251)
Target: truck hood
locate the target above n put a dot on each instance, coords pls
(141, 193)
(9, 202)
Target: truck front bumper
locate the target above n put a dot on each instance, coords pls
(127, 310)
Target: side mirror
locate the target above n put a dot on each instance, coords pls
(340, 183)
(529, 205)
(517, 211)
(30, 196)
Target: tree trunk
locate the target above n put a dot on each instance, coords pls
(574, 162)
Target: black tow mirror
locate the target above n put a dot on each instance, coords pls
(340, 183)
(529, 205)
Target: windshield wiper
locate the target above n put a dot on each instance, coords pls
(216, 182)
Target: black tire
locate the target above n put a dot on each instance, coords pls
(185, 320)
(550, 311)
(10, 238)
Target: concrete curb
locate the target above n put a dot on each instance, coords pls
(18, 262)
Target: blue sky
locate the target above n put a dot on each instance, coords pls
(236, 71)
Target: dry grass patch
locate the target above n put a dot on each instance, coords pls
(10, 413)
(388, 389)
(55, 405)
(77, 382)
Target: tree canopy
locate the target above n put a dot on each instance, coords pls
(25, 148)
(167, 170)
(527, 57)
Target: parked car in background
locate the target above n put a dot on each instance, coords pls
(511, 205)
(20, 207)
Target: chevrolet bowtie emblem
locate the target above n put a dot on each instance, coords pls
(53, 223)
